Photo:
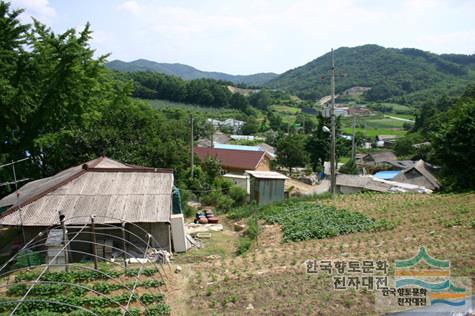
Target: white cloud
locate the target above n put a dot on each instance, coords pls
(130, 6)
(263, 35)
(266, 35)
(40, 9)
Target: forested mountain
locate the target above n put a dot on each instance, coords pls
(187, 72)
(402, 75)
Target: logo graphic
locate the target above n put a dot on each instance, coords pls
(435, 279)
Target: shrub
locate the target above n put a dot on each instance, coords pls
(349, 167)
(218, 199)
(238, 194)
(243, 245)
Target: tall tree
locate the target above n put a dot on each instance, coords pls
(454, 143)
(291, 151)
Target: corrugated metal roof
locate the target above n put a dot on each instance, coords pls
(422, 167)
(381, 156)
(230, 158)
(364, 182)
(351, 180)
(266, 175)
(108, 188)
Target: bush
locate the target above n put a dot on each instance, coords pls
(349, 167)
(244, 244)
(217, 199)
(238, 194)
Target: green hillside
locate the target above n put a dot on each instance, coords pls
(187, 72)
(398, 75)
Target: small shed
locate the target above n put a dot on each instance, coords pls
(239, 179)
(266, 186)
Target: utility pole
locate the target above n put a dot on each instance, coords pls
(192, 156)
(333, 131)
(353, 141)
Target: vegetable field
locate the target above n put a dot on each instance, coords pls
(270, 278)
(84, 291)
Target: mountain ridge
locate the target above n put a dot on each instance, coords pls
(188, 72)
(402, 75)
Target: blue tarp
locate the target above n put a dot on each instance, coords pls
(387, 175)
(237, 147)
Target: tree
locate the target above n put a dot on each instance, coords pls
(238, 101)
(291, 151)
(454, 146)
(251, 126)
(260, 100)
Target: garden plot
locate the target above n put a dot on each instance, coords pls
(270, 278)
(84, 291)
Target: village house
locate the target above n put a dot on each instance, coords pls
(386, 140)
(377, 158)
(237, 160)
(217, 137)
(114, 193)
(233, 124)
(419, 174)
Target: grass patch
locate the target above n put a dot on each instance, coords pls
(285, 109)
(373, 132)
(384, 123)
(220, 244)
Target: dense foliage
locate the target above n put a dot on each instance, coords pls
(401, 75)
(204, 92)
(443, 134)
(454, 144)
(61, 106)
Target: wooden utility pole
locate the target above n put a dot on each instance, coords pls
(353, 141)
(333, 131)
(94, 241)
(192, 156)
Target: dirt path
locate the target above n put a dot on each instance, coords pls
(399, 118)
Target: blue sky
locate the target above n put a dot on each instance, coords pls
(243, 37)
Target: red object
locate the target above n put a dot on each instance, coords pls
(232, 158)
(203, 220)
(213, 220)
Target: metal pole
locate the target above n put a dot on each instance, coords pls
(333, 130)
(94, 242)
(65, 240)
(192, 158)
(124, 245)
(14, 162)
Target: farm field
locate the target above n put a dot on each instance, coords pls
(270, 278)
(373, 132)
(107, 291)
(164, 104)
